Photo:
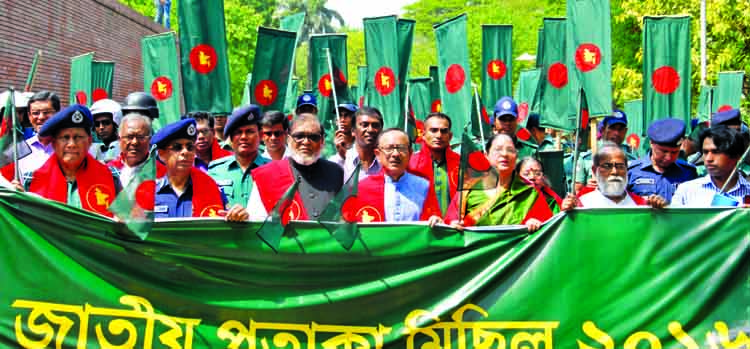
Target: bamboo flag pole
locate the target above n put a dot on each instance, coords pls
(333, 86)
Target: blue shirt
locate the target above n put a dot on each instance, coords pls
(644, 180)
(169, 205)
(404, 199)
(700, 192)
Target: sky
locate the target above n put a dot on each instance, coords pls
(354, 10)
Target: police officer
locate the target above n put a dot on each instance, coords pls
(306, 103)
(544, 141)
(505, 120)
(661, 171)
(232, 173)
(107, 116)
(614, 129)
(141, 102)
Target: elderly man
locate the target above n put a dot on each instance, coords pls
(661, 171)
(368, 122)
(614, 129)
(232, 172)
(207, 149)
(505, 120)
(722, 148)
(274, 127)
(396, 195)
(610, 166)
(107, 115)
(71, 175)
(436, 161)
(319, 180)
(42, 105)
(134, 137)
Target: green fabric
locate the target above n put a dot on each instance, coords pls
(272, 68)
(228, 169)
(435, 91)
(102, 79)
(161, 76)
(634, 111)
(528, 82)
(80, 79)
(666, 49)
(132, 204)
(508, 207)
(324, 87)
(497, 62)
(334, 217)
(617, 270)
(480, 126)
(554, 88)
(440, 174)
(728, 91)
(246, 98)
(364, 85)
(419, 97)
(705, 101)
(526, 149)
(293, 23)
(383, 63)
(205, 72)
(589, 29)
(554, 170)
(454, 72)
(405, 34)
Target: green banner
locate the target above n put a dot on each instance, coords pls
(497, 63)
(705, 103)
(246, 98)
(666, 68)
(455, 75)
(161, 76)
(323, 46)
(203, 51)
(728, 91)
(80, 79)
(102, 80)
(405, 32)
(292, 23)
(437, 101)
(636, 128)
(70, 280)
(363, 85)
(383, 63)
(419, 96)
(554, 88)
(272, 68)
(528, 82)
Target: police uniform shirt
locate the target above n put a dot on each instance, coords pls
(547, 144)
(644, 180)
(234, 183)
(168, 204)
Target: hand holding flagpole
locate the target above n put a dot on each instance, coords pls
(333, 86)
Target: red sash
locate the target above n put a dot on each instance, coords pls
(206, 194)
(217, 152)
(420, 164)
(96, 186)
(273, 180)
(8, 171)
(371, 201)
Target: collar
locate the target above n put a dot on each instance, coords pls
(403, 179)
(706, 182)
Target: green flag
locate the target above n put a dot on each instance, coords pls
(273, 228)
(405, 29)
(246, 99)
(705, 103)
(102, 77)
(293, 23)
(436, 101)
(9, 140)
(528, 82)
(480, 121)
(272, 67)
(383, 63)
(475, 171)
(539, 47)
(554, 89)
(32, 71)
(666, 68)
(161, 76)
(340, 216)
(80, 79)
(728, 91)
(497, 63)
(203, 51)
(454, 72)
(420, 97)
(321, 48)
(134, 205)
(363, 85)
(636, 129)
(589, 52)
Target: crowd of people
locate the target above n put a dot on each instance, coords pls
(242, 165)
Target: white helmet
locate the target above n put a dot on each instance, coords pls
(21, 99)
(107, 106)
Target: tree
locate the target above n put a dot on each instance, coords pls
(318, 18)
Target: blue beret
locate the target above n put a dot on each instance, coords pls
(667, 132)
(242, 116)
(348, 106)
(307, 99)
(75, 115)
(617, 117)
(505, 106)
(184, 128)
(731, 116)
(532, 121)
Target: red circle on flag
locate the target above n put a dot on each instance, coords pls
(385, 81)
(324, 85)
(161, 88)
(81, 98)
(496, 69)
(455, 77)
(145, 195)
(3, 127)
(485, 117)
(436, 106)
(724, 107)
(588, 57)
(99, 94)
(349, 209)
(584, 118)
(523, 134)
(478, 161)
(634, 141)
(203, 58)
(523, 111)
(665, 80)
(557, 75)
(266, 92)
(420, 131)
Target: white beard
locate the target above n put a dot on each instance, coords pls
(612, 185)
(305, 160)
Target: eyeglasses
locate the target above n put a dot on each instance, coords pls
(42, 112)
(390, 149)
(104, 123)
(138, 138)
(67, 138)
(608, 166)
(276, 134)
(177, 147)
(313, 137)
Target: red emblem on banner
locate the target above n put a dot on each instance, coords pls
(588, 57)
(385, 81)
(98, 94)
(725, 108)
(420, 131)
(325, 86)
(455, 77)
(145, 195)
(290, 213)
(266, 92)
(485, 117)
(98, 197)
(496, 69)
(203, 58)
(161, 88)
(665, 80)
(557, 75)
(81, 97)
(634, 141)
(436, 106)
(478, 161)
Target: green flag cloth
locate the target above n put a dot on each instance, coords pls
(480, 121)
(497, 62)
(420, 97)
(539, 47)
(454, 72)
(528, 82)
(589, 49)
(203, 52)
(383, 63)
(32, 71)
(9, 124)
(80, 79)
(554, 88)
(363, 86)
(102, 78)
(436, 104)
(291, 97)
(246, 98)
(475, 173)
(293, 23)
(321, 47)
(273, 228)
(405, 33)
(272, 67)
(705, 103)
(340, 215)
(666, 68)
(134, 205)
(161, 76)
(636, 128)
(728, 91)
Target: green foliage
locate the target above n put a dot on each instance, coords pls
(318, 18)
(242, 23)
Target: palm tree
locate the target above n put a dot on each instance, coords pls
(318, 18)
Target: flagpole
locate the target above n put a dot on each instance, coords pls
(479, 116)
(576, 148)
(333, 86)
(703, 42)
(13, 131)
(406, 110)
(32, 71)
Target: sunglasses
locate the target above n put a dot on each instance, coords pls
(276, 134)
(313, 137)
(177, 147)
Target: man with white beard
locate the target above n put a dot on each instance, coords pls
(610, 166)
(319, 179)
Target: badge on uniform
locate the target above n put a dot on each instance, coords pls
(161, 209)
(645, 181)
(224, 182)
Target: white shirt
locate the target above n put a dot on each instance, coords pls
(596, 199)
(700, 192)
(127, 173)
(39, 155)
(287, 153)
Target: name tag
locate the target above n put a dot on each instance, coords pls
(161, 209)
(225, 182)
(645, 181)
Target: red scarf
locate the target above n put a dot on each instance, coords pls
(96, 186)
(206, 194)
(273, 180)
(218, 152)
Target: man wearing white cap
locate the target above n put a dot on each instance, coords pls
(107, 115)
